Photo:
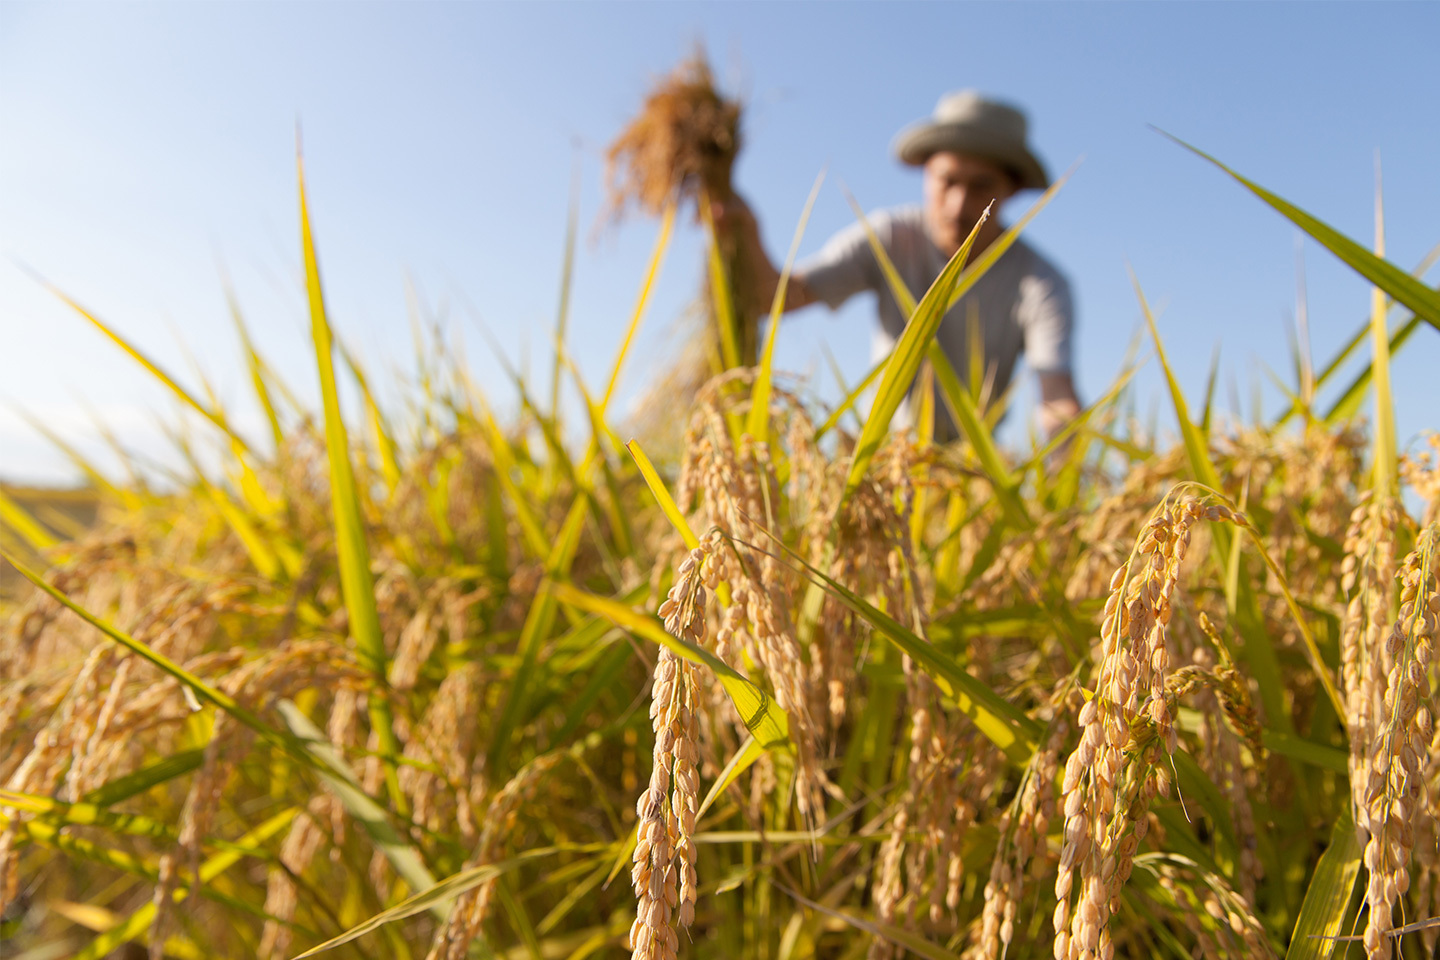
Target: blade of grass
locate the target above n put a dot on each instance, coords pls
(345, 785)
(438, 895)
(253, 363)
(1386, 482)
(539, 622)
(762, 716)
(1005, 724)
(667, 223)
(204, 691)
(379, 427)
(98, 480)
(1348, 403)
(1361, 334)
(357, 584)
(897, 935)
(1197, 447)
(1373, 267)
(58, 813)
(153, 368)
(914, 339)
(849, 402)
(1005, 483)
(749, 752)
(720, 290)
(161, 771)
(758, 424)
(662, 496)
(904, 362)
(17, 518)
(138, 922)
(567, 276)
(1326, 898)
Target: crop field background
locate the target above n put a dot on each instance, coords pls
(421, 677)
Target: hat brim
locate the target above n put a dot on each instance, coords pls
(921, 141)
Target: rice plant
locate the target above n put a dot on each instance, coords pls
(438, 684)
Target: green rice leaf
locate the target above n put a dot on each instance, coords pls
(1005, 724)
(1347, 405)
(202, 690)
(1306, 751)
(758, 424)
(763, 717)
(1322, 913)
(962, 404)
(1385, 465)
(345, 785)
(567, 276)
(154, 369)
(379, 427)
(161, 771)
(1196, 446)
(662, 496)
(437, 897)
(850, 398)
(904, 361)
(899, 936)
(138, 922)
(720, 290)
(17, 518)
(1396, 282)
(130, 498)
(919, 335)
(749, 752)
(1359, 337)
(254, 364)
(56, 812)
(357, 584)
(539, 623)
(667, 223)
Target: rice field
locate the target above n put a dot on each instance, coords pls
(430, 683)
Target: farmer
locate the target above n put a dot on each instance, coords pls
(972, 151)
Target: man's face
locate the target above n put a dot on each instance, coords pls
(958, 187)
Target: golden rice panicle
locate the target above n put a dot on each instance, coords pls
(1220, 920)
(163, 900)
(663, 872)
(281, 894)
(1115, 771)
(467, 917)
(739, 491)
(1368, 579)
(1023, 829)
(1395, 795)
(1220, 693)
(443, 743)
(685, 137)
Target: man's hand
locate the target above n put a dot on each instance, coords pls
(733, 219)
(1058, 402)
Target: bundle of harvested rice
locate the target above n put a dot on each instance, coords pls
(681, 148)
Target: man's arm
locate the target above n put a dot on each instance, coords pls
(736, 219)
(1058, 402)
(842, 268)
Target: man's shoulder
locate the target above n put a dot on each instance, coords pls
(1030, 262)
(906, 219)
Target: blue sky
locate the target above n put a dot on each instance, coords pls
(145, 146)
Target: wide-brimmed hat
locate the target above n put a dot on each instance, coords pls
(967, 122)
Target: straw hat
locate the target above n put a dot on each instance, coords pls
(966, 122)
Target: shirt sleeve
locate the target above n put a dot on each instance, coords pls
(843, 267)
(1049, 323)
